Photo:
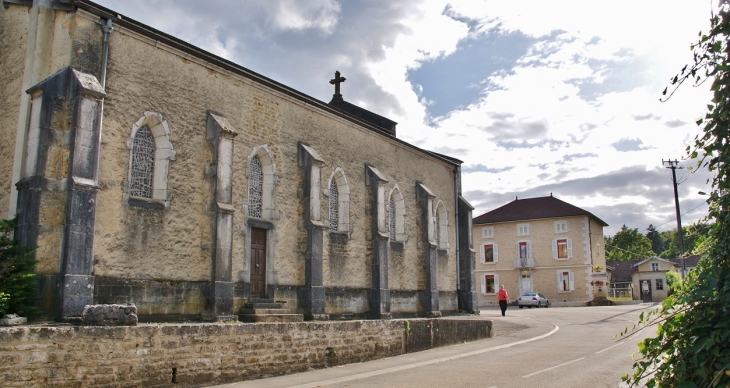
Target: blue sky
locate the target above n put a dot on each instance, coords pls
(535, 97)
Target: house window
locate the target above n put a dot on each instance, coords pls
(489, 253)
(255, 187)
(523, 249)
(143, 162)
(565, 281)
(655, 267)
(561, 226)
(489, 283)
(523, 229)
(562, 248)
(659, 284)
(488, 232)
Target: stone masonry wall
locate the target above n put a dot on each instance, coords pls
(13, 41)
(202, 354)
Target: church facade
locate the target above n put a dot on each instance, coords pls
(148, 171)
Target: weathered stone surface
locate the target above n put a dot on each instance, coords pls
(110, 315)
(213, 353)
(13, 320)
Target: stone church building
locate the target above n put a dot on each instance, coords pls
(149, 171)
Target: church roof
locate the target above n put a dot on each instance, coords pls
(347, 111)
(532, 209)
(364, 114)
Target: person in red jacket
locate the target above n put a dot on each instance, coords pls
(503, 299)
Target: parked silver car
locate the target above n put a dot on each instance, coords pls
(530, 299)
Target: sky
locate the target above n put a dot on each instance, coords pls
(535, 97)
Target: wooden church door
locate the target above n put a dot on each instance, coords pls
(258, 261)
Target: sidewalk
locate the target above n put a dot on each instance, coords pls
(506, 330)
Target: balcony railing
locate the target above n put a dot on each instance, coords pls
(527, 262)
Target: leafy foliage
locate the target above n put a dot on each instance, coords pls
(693, 236)
(674, 281)
(693, 326)
(627, 244)
(18, 285)
(657, 242)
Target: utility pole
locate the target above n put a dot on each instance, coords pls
(674, 165)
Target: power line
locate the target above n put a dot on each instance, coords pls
(684, 214)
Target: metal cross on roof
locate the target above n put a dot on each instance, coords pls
(337, 81)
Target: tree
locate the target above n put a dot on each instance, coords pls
(627, 244)
(674, 281)
(657, 243)
(693, 325)
(18, 284)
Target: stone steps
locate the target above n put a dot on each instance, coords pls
(271, 317)
(266, 310)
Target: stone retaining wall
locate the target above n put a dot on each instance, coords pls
(159, 355)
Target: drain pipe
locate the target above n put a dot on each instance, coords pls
(107, 28)
(457, 179)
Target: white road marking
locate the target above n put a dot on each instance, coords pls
(422, 363)
(610, 347)
(553, 367)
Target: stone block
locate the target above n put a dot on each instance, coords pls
(12, 320)
(110, 315)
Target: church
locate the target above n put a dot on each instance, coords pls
(148, 171)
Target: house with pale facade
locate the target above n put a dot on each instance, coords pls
(540, 244)
(645, 279)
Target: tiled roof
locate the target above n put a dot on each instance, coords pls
(690, 261)
(621, 270)
(531, 209)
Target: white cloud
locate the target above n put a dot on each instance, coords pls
(591, 76)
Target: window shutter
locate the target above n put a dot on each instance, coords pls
(517, 249)
(570, 248)
(495, 252)
(529, 250)
(484, 284)
(560, 280)
(572, 285)
(555, 249)
(496, 283)
(483, 259)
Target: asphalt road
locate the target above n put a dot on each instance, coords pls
(554, 347)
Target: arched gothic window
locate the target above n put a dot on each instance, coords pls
(391, 217)
(441, 226)
(334, 206)
(339, 201)
(150, 153)
(143, 162)
(396, 215)
(255, 187)
(262, 180)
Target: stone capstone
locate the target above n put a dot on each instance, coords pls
(12, 320)
(110, 315)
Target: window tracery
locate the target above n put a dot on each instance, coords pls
(143, 161)
(255, 188)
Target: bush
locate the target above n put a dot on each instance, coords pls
(18, 284)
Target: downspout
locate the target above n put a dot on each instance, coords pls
(107, 28)
(457, 175)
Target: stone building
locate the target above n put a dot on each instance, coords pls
(149, 171)
(540, 244)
